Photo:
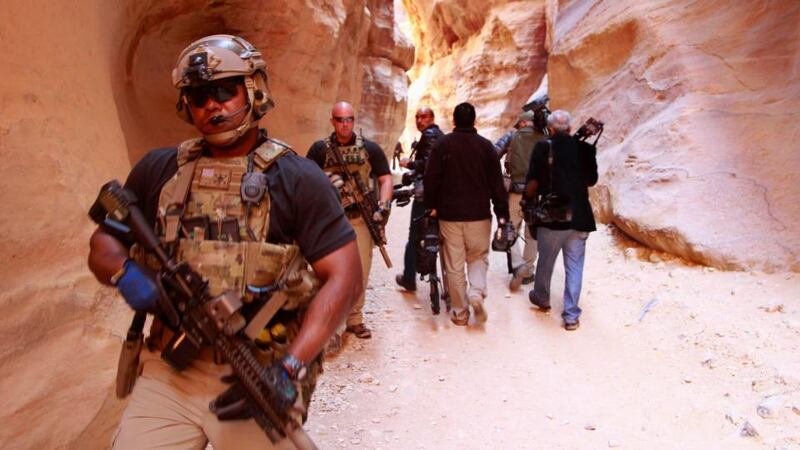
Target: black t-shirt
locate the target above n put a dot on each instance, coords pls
(377, 159)
(574, 170)
(304, 206)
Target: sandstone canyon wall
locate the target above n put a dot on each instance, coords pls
(86, 91)
(702, 103)
(698, 157)
(490, 53)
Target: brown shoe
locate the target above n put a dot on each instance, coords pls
(480, 311)
(460, 322)
(572, 326)
(334, 345)
(360, 330)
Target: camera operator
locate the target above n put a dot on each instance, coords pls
(518, 156)
(568, 173)
(430, 135)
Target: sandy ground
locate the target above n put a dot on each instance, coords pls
(714, 354)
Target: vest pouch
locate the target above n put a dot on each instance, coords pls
(226, 229)
(266, 262)
(198, 227)
(221, 263)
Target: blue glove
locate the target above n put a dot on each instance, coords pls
(138, 287)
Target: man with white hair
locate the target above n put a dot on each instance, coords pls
(565, 166)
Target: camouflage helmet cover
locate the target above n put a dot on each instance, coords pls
(216, 57)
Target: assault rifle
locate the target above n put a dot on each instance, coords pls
(200, 320)
(355, 188)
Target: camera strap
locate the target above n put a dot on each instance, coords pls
(550, 163)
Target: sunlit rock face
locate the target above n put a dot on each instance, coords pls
(317, 53)
(86, 92)
(488, 53)
(700, 155)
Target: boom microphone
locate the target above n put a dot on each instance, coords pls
(216, 120)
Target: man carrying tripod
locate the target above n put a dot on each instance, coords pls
(430, 134)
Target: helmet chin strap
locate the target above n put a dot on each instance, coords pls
(230, 137)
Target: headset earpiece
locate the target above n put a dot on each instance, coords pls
(182, 110)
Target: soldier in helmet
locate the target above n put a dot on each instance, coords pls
(247, 213)
(368, 160)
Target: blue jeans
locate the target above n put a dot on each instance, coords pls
(573, 244)
(410, 257)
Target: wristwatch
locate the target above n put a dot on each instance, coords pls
(294, 367)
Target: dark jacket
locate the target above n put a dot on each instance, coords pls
(574, 170)
(430, 136)
(462, 176)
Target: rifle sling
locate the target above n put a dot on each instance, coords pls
(177, 201)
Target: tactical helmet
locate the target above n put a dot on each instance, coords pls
(223, 56)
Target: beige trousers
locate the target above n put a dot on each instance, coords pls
(519, 257)
(465, 243)
(365, 244)
(169, 409)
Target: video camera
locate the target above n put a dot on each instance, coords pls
(540, 111)
(590, 128)
(401, 195)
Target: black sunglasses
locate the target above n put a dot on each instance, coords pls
(221, 92)
(350, 119)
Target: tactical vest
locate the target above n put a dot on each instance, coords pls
(209, 227)
(356, 160)
(520, 149)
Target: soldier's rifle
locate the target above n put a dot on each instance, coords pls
(200, 320)
(355, 187)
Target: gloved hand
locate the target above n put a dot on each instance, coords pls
(381, 215)
(235, 404)
(138, 287)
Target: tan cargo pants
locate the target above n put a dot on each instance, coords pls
(169, 409)
(365, 244)
(465, 243)
(520, 258)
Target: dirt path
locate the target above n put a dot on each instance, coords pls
(712, 347)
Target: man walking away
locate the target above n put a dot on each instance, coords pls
(462, 177)
(518, 159)
(573, 166)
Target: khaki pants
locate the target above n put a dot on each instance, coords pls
(465, 242)
(365, 244)
(169, 409)
(520, 258)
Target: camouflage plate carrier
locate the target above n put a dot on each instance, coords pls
(356, 160)
(204, 220)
